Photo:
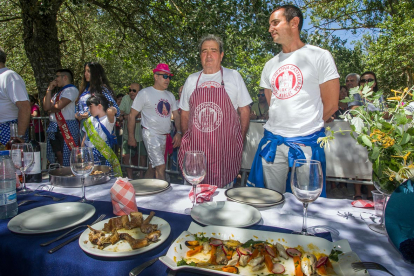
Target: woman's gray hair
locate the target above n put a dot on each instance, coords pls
(2, 56)
(211, 37)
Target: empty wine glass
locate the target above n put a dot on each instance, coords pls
(306, 183)
(23, 157)
(81, 164)
(194, 170)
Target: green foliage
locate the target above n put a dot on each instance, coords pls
(387, 50)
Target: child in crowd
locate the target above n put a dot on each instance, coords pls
(99, 130)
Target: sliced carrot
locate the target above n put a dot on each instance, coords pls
(213, 255)
(254, 255)
(229, 254)
(194, 251)
(231, 269)
(321, 270)
(298, 269)
(328, 263)
(268, 261)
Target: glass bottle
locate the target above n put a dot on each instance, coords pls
(34, 172)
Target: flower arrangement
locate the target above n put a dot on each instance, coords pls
(385, 129)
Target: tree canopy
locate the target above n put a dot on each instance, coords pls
(130, 37)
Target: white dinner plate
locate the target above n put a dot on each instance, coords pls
(257, 197)
(122, 248)
(50, 218)
(149, 186)
(226, 213)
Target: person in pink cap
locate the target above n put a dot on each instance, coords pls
(156, 105)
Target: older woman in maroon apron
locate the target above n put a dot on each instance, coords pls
(214, 128)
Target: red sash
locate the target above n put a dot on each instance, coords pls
(214, 128)
(63, 126)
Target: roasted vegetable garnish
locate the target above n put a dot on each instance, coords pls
(184, 262)
(252, 243)
(201, 238)
(334, 254)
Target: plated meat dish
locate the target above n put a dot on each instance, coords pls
(132, 229)
(256, 258)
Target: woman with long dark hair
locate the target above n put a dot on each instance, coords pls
(94, 81)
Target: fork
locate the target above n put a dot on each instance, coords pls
(52, 197)
(369, 265)
(25, 201)
(101, 217)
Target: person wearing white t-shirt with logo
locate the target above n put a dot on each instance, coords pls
(302, 88)
(156, 105)
(63, 130)
(14, 102)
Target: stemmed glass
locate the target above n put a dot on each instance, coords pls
(380, 228)
(306, 183)
(81, 164)
(194, 170)
(23, 157)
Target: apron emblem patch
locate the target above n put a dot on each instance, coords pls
(207, 117)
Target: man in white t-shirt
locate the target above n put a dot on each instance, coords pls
(211, 102)
(156, 105)
(63, 130)
(302, 88)
(14, 102)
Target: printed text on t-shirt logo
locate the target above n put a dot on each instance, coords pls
(286, 81)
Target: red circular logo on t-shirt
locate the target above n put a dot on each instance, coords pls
(286, 81)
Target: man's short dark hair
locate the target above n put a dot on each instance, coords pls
(211, 37)
(291, 12)
(3, 56)
(119, 95)
(98, 99)
(66, 72)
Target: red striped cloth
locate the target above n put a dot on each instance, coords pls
(214, 128)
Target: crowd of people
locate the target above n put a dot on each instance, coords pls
(300, 91)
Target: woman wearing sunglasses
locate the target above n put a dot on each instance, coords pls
(94, 81)
(260, 110)
(366, 78)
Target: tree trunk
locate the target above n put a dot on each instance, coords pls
(41, 42)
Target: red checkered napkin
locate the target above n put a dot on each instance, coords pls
(363, 203)
(123, 197)
(204, 192)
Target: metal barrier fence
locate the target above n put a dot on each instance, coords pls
(45, 123)
(346, 161)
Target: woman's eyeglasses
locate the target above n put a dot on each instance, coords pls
(366, 80)
(165, 76)
(260, 95)
(133, 90)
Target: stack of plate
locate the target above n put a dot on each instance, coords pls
(149, 186)
(257, 197)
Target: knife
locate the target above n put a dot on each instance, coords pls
(53, 250)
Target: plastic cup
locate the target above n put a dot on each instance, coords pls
(379, 199)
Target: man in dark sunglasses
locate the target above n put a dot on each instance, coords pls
(156, 106)
(260, 110)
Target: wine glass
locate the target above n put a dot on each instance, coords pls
(23, 157)
(306, 183)
(194, 170)
(81, 164)
(380, 228)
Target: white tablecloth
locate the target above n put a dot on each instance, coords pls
(338, 215)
